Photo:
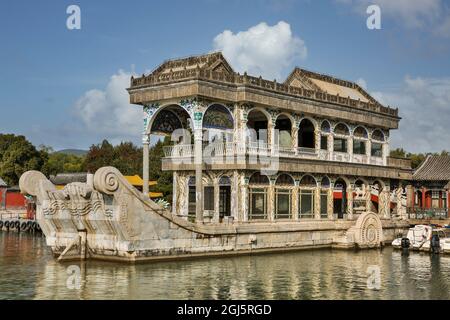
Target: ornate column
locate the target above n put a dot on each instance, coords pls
(295, 201)
(368, 150)
(317, 201)
(349, 191)
(175, 193)
(245, 197)
(271, 200)
(330, 202)
(148, 112)
(368, 195)
(294, 136)
(145, 163)
(384, 203)
(350, 148)
(198, 163)
(216, 217)
(317, 137)
(234, 196)
(330, 146)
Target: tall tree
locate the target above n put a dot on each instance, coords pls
(18, 155)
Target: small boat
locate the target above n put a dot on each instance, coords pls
(417, 237)
(443, 234)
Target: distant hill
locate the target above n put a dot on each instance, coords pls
(77, 152)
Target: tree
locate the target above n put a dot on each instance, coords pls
(62, 163)
(18, 155)
(100, 155)
(164, 178)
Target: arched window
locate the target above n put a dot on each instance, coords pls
(377, 143)
(258, 190)
(165, 123)
(325, 127)
(325, 182)
(341, 129)
(377, 135)
(307, 187)
(283, 196)
(360, 132)
(340, 143)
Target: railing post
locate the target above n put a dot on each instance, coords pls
(145, 162)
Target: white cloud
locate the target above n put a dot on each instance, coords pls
(424, 105)
(362, 83)
(262, 49)
(108, 112)
(411, 14)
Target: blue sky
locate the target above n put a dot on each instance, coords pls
(63, 87)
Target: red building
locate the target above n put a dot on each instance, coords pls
(11, 200)
(431, 183)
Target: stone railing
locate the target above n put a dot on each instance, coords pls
(246, 80)
(428, 213)
(403, 163)
(264, 149)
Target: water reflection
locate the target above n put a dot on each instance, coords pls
(30, 272)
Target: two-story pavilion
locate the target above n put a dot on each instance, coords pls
(313, 147)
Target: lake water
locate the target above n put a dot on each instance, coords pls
(28, 271)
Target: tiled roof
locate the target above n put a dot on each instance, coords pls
(434, 168)
(2, 183)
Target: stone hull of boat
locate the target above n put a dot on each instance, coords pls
(109, 219)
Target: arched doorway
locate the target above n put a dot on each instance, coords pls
(258, 191)
(284, 186)
(340, 198)
(306, 135)
(257, 126)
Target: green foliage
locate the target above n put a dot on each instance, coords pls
(62, 163)
(164, 178)
(18, 155)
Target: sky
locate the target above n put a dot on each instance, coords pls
(66, 88)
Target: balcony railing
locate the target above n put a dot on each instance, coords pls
(428, 213)
(227, 149)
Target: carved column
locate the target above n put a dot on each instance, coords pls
(368, 150)
(330, 202)
(244, 198)
(350, 148)
(368, 195)
(384, 204)
(198, 162)
(350, 188)
(175, 192)
(295, 201)
(271, 201)
(317, 201)
(145, 163)
(294, 135)
(330, 142)
(317, 140)
(216, 199)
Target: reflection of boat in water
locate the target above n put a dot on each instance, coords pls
(424, 238)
